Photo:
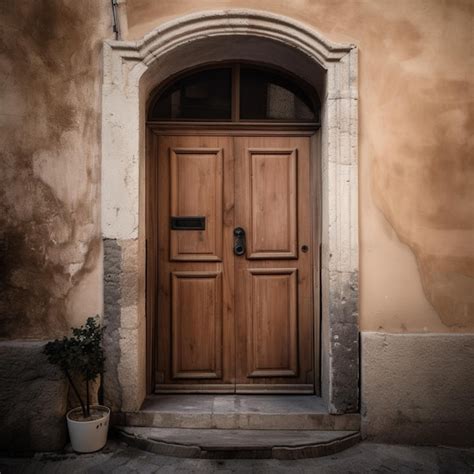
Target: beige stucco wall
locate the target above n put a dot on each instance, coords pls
(416, 195)
(416, 76)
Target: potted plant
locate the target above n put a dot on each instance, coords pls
(81, 357)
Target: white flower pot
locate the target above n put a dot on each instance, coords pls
(88, 436)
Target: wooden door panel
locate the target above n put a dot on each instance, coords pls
(196, 190)
(196, 325)
(273, 323)
(273, 281)
(272, 220)
(195, 348)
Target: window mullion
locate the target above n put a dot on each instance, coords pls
(236, 93)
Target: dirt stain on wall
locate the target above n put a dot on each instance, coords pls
(50, 70)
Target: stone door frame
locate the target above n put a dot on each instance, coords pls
(131, 70)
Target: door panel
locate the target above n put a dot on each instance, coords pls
(272, 218)
(196, 325)
(273, 282)
(196, 190)
(272, 323)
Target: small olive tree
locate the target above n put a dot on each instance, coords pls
(81, 354)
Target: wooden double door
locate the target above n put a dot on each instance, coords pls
(234, 264)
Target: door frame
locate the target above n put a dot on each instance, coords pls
(131, 71)
(157, 129)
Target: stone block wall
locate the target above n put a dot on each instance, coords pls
(33, 400)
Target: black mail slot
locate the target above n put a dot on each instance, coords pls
(188, 223)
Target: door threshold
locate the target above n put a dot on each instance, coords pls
(280, 389)
(197, 389)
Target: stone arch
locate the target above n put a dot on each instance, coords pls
(131, 70)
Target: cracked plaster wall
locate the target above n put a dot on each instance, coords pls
(50, 243)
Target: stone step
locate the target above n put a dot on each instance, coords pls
(245, 421)
(238, 444)
(238, 412)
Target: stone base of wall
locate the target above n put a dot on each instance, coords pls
(33, 400)
(125, 326)
(418, 388)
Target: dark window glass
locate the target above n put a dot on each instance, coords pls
(266, 95)
(202, 95)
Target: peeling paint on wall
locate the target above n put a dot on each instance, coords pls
(50, 73)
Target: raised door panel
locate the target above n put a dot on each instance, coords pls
(196, 191)
(196, 325)
(273, 323)
(273, 203)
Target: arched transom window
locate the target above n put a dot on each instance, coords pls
(236, 92)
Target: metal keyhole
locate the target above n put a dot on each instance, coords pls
(304, 248)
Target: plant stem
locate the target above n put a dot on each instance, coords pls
(77, 393)
(101, 389)
(88, 401)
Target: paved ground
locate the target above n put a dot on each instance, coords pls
(363, 458)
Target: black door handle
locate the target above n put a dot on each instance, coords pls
(239, 241)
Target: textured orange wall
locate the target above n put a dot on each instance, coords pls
(416, 151)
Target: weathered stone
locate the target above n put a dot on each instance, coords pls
(130, 255)
(343, 344)
(112, 296)
(159, 447)
(129, 289)
(124, 336)
(239, 444)
(336, 443)
(33, 399)
(233, 412)
(418, 388)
